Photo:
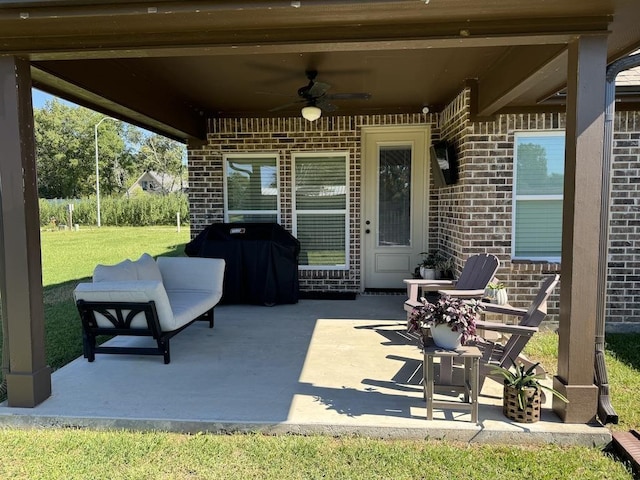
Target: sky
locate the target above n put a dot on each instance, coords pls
(39, 98)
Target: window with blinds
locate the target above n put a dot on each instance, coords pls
(537, 195)
(320, 209)
(251, 188)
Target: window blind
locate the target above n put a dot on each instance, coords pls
(251, 189)
(320, 210)
(538, 195)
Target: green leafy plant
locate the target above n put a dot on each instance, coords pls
(429, 260)
(496, 286)
(436, 260)
(460, 315)
(444, 263)
(524, 378)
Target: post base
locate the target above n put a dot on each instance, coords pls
(583, 402)
(28, 389)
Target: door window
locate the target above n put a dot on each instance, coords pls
(394, 196)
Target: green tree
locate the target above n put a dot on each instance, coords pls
(66, 163)
(118, 168)
(66, 151)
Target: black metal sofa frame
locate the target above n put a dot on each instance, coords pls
(121, 314)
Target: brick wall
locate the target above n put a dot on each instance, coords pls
(470, 217)
(476, 213)
(450, 205)
(481, 204)
(623, 300)
(284, 136)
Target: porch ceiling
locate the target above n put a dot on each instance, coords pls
(168, 65)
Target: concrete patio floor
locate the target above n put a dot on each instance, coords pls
(320, 366)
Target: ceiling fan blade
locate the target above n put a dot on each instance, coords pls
(326, 106)
(318, 89)
(276, 94)
(286, 105)
(348, 96)
(315, 94)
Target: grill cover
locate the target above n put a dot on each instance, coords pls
(261, 261)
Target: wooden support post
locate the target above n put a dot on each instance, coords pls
(28, 376)
(581, 229)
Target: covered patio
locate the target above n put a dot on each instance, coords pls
(178, 68)
(336, 367)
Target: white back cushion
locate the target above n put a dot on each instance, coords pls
(121, 272)
(147, 269)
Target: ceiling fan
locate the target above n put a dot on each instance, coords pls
(316, 99)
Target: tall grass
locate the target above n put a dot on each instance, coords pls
(137, 210)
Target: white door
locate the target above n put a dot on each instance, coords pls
(394, 199)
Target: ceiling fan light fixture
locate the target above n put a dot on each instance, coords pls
(311, 113)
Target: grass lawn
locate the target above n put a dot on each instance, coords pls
(69, 257)
(623, 369)
(68, 455)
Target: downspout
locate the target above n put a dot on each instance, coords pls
(606, 412)
(5, 355)
(4, 365)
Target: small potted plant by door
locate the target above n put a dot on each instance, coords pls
(451, 321)
(427, 265)
(522, 393)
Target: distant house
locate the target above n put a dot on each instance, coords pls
(157, 183)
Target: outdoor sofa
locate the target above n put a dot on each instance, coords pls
(147, 298)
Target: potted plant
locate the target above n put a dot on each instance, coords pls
(522, 397)
(427, 265)
(450, 320)
(497, 293)
(443, 265)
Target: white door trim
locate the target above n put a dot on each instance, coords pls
(419, 137)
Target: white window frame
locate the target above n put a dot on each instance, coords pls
(345, 211)
(519, 135)
(245, 156)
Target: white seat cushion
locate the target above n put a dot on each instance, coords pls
(189, 305)
(139, 291)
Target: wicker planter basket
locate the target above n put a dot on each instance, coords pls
(531, 412)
